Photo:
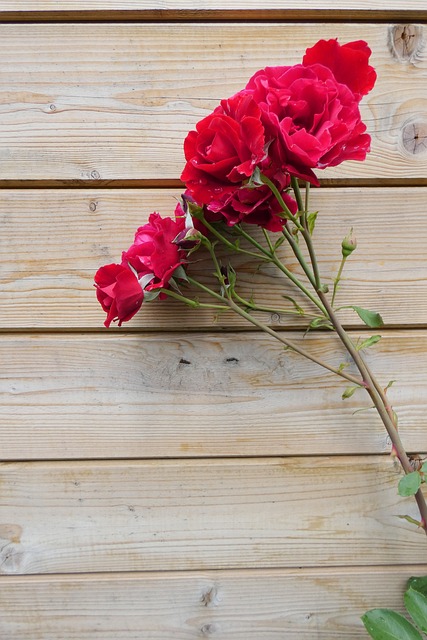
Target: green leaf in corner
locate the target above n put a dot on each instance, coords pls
(368, 342)
(418, 584)
(424, 467)
(416, 604)
(370, 318)
(409, 484)
(385, 624)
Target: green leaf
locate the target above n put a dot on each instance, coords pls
(296, 305)
(370, 318)
(349, 392)
(318, 323)
(424, 467)
(368, 342)
(389, 384)
(409, 484)
(311, 221)
(385, 624)
(417, 523)
(416, 604)
(418, 584)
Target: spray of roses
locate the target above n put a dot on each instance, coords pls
(250, 163)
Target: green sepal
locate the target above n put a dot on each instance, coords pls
(409, 484)
(372, 319)
(149, 296)
(385, 624)
(180, 273)
(416, 605)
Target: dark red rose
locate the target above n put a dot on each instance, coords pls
(253, 206)
(311, 120)
(349, 63)
(153, 255)
(119, 292)
(224, 150)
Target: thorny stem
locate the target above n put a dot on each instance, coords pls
(380, 401)
(290, 343)
(374, 389)
(191, 302)
(337, 279)
(257, 307)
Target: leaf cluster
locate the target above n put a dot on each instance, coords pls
(387, 624)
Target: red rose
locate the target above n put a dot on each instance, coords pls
(348, 63)
(224, 150)
(311, 119)
(253, 206)
(153, 255)
(119, 292)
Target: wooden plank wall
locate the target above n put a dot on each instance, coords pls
(184, 477)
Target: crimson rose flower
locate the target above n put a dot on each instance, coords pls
(222, 155)
(119, 292)
(348, 63)
(311, 117)
(254, 206)
(153, 255)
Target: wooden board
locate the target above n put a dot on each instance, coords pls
(220, 9)
(170, 515)
(92, 396)
(53, 241)
(311, 604)
(102, 102)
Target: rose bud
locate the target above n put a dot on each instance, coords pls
(348, 245)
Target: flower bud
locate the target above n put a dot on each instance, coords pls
(188, 239)
(348, 245)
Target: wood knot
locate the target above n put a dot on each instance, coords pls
(210, 597)
(414, 137)
(406, 42)
(208, 629)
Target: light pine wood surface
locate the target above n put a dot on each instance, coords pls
(181, 477)
(152, 396)
(312, 604)
(53, 241)
(89, 516)
(102, 102)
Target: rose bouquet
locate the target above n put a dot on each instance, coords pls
(249, 168)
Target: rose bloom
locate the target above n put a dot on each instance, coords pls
(153, 255)
(310, 111)
(119, 292)
(147, 265)
(254, 206)
(221, 156)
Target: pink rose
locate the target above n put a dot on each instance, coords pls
(119, 292)
(311, 119)
(153, 255)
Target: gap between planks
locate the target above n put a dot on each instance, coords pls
(216, 15)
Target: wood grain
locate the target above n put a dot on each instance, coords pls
(92, 396)
(53, 241)
(311, 604)
(181, 515)
(102, 102)
(203, 5)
